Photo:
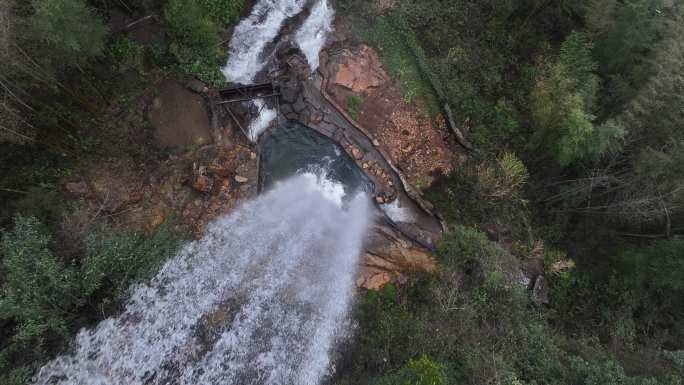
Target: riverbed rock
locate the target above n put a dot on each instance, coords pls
(408, 135)
(376, 281)
(390, 252)
(197, 86)
(203, 183)
(241, 179)
(356, 153)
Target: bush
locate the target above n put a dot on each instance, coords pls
(481, 191)
(37, 298)
(393, 41)
(223, 12)
(127, 55)
(71, 31)
(354, 106)
(44, 299)
(194, 40)
(114, 261)
(422, 371)
(637, 296)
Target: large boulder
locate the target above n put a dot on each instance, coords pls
(179, 117)
(388, 256)
(358, 71)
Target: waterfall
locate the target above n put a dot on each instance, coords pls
(312, 34)
(265, 115)
(260, 299)
(247, 54)
(252, 35)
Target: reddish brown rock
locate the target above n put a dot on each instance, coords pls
(358, 71)
(202, 182)
(223, 166)
(376, 281)
(356, 153)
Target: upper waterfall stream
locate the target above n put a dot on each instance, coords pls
(251, 51)
(260, 299)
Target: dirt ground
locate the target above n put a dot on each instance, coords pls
(179, 116)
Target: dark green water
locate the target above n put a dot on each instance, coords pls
(294, 148)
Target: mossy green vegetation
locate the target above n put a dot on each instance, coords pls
(473, 324)
(586, 95)
(354, 106)
(400, 55)
(48, 293)
(195, 41)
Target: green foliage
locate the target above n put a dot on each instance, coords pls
(194, 40)
(500, 124)
(479, 190)
(127, 55)
(398, 51)
(44, 298)
(223, 12)
(561, 103)
(354, 106)
(39, 291)
(72, 32)
(113, 261)
(492, 335)
(421, 371)
(637, 297)
(394, 328)
(465, 244)
(625, 33)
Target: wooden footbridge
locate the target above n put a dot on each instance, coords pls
(244, 93)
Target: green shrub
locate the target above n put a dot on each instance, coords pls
(223, 12)
(354, 106)
(394, 327)
(72, 32)
(114, 261)
(44, 299)
(394, 47)
(127, 55)
(421, 371)
(194, 40)
(39, 292)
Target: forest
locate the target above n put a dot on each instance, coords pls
(574, 110)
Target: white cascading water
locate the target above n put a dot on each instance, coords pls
(252, 35)
(397, 213)
(260, 299)
(312, 34)
(265, 115)
(246, 52)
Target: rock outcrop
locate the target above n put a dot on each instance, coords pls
(405, 131)
(359, 71)
(388, 256)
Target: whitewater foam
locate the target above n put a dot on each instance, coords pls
(397, 213)
(260, 299)
(253, 34)
(265, 116)
(314, 31)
